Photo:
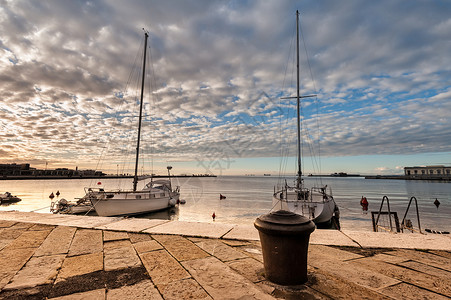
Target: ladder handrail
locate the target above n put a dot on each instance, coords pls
(389, 212)
(407, 210)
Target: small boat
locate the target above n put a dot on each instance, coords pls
(8, 198)
(315, 202)
(62, 206)
(155, 196)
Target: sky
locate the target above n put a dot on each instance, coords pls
(381, 71)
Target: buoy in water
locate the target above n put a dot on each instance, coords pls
(222, 196)
(364, 203)
(213, 216)
(52, 196)
(183, 201)
(58, 193)
(437, 203)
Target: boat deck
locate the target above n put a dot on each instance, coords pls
(74, 257)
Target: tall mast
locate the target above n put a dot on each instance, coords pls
(135, 180)
(298, 181)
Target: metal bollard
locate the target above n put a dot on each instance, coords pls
(284, 237)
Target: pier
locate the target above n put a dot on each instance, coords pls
(83, 257)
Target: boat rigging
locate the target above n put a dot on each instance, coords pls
(314, 203)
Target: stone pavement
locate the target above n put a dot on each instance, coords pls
(71, 257)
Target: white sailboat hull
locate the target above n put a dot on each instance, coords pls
(131, 203)
(318, 207)
(62, 206)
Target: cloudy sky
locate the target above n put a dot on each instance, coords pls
(381, 70)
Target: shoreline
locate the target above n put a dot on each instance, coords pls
(93, 177)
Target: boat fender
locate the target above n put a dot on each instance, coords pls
(436, 232)
(172, 202)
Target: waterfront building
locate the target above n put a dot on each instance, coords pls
(18, 170)
(428, 172)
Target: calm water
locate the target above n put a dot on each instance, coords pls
(249, 197)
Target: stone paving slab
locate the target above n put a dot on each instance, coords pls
(57, 242)
(39, 227)
(142, 290)
(339, 287)
(425, 258)
(217, 278)
(220, 250)
(89, 222)
(38, 271)
(114, 235)
(147, 246)
(243, 232)
(132, 224)
(80, 265)
(11, 233)
(5, 224)
(408, 291)
(120, 258)
(180, 247)
(331, 237)
(18, 216)
(390, 258)
(183, 289)
(86, 241)
(162, 267)
(420, 279)
(29, 239)
(331, 252)
(399, 240)
(138, 237)
(249, 268)
(37, 218)
(441, 253)
(91, 295)
(4, 243)
(11, 261)
(357, 273)
(57, 219)
(425, 269)
(116, 244)
(236, 243)
(212, 230)
(253, 250)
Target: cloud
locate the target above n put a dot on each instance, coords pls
(381, 71)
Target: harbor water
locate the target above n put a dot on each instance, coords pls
(247, 197)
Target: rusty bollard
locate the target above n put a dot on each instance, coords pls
(284, 237)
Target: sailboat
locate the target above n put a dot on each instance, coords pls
(315, 202)
(155, 196)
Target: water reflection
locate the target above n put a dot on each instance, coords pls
(249, 197)
(171, 214)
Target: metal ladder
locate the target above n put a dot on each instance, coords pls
(405, 224)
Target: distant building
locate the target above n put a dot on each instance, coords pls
(15, 169)
(428, 172)
(25, 170)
